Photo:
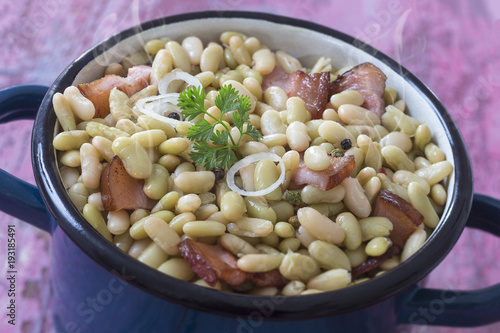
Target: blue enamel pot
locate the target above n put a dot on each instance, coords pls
(98, 288)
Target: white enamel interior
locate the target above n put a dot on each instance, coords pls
(304, 44)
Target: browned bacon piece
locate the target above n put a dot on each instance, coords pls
(340, 168)
(98, 91)
(119, 190)
(374, 262)
(268, 279)
(404, 217)
(312, 88)
(212, 262)
(368, 80)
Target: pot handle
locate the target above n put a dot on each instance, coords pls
(457, 308)
(17, 197)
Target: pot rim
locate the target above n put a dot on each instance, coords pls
(229, 304)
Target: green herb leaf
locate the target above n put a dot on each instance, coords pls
(216, 147)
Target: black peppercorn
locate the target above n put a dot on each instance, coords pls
(219, 173)
(346, 144)
(174, 115)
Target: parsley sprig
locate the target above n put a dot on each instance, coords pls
(216, 147)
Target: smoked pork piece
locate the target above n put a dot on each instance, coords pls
(404, 217)
(312, 88)
(119, 190)
(368, 80)
(373, 262)
(340, 168)
(213, 262)
(98, 91)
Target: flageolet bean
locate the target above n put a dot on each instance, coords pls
(69, 176)
(334, 133)
(329, 256)
(257, 263)
(404, 177)
(138, 246)
(357, 115)
(266, 249)
(352, 229)
(174, 146)
(193, 47)
(284, 229)
(331, 114)
(118, 222)
(232, 206)
(71, 158)
(283, 209)
(320, 226)
(377, 246)
(423, 136)
(91, 166)
(123, 241)
(296, 134)
(256, 207)
(203, 228)
(148, 122)
(195, 181)
(177, 268)
(63, 112)
(398, 139)
(376, 226)
(352, 97)
(421, 162)
(162, 234)
(95, 128)
(330, 280)
(264, 61)
(153, 255)
(252, 44)
(396, 158)
(211, 57)
(138, 214)
(355, 198)
(313, 195)
(178, 221)
(239, 51)
(357, 256)
(275, 97)
(293, 288)
(183, 167)
(433, 153)
(250, 227)
(413, 243)
(81, 106)
(103, 147)
(135, 159)
(316, 158)
(365, 175)
(137, 230)
(359, 158)
(420, 200)
(436, 172)
(295, 266)
(167, 202)
(438, 194)
(289, 244)
(152, 46)
(302, 234)
(402, 121)
(372, 188)
(79, 195)
(188, 203)
(170, 162)
(287, 62)
(70, 140)
(373, 156)
(118, 105)
(236, 245)
(94, 217)
(266, 174)
(296, 110)
(180, 58)
(128, 126)
(150, 138)
(114, 68)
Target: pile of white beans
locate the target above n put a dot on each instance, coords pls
(316, 246)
